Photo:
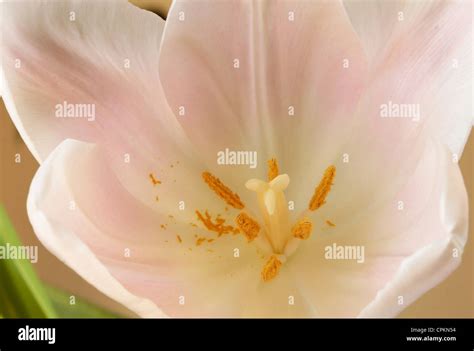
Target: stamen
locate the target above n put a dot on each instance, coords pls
(322, 190)
(179, 239)
(271, 268)
(222, 191)
(329, 223)
(248, 226)
(302, 229)
(217, 226)
(272, 169)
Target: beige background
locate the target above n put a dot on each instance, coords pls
(453, 298)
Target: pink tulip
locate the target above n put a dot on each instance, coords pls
(363, 106)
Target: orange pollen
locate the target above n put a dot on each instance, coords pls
(329, 223)
(247, 225)
(302, 229)
(323, 188)
(218, 225)
(222, 191)
(153, 179)
(272, 169)
(199, 241)
(271, 268)
(179, 239)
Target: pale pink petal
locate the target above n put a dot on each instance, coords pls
(424, 50)
(93, 53)
(56, 219)
(407, 252)
(238, 69)
(81, 212)
(103, 58)
(413, 67)
(432, 233)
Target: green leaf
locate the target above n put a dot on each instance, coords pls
(80, 309)
(21, 293)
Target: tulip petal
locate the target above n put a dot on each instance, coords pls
(93, 58)
(79, 62)
(407, 250)
(421, 52)
(264, 76)
(439, 232)
(60, 237)
(82, 214)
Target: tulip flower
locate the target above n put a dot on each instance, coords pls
(246, 158)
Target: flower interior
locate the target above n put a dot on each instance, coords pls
(270, 230)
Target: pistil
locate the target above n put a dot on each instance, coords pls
(274, 208)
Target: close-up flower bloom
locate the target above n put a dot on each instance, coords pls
(246, 158)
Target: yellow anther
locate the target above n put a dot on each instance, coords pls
(302, 229)
(222, 191)
(329, 223)
(247, 225)
(322, 190)
(272, 169)
(271, 268)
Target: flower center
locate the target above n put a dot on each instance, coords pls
(272, 232)
(277, 236)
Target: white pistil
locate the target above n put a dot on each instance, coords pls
(274, 208)
(270, 201)
(291, 246)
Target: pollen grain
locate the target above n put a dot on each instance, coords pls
(218, 225)
(154, 180)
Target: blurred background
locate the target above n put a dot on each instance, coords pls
(453, 298)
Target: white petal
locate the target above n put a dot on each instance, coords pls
(81, 212)
(407, 252)
(240, 68)
(421, 52)
(433, 263)
(95, 54)
(63, 241)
